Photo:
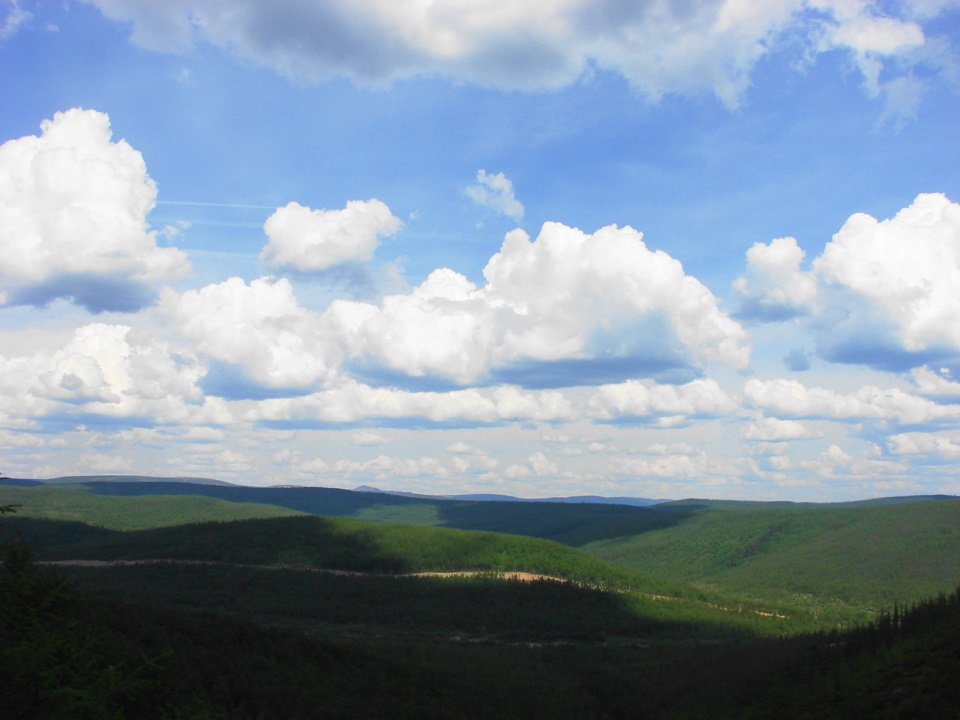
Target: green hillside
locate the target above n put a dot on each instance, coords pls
(333, 543)
(701, 610)
(376, 554)
(864, 557)
(571, 524)
(189, 641)
(841, 562)
(76, 502)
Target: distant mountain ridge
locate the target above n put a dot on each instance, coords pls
(80, 479)
(592, 499)
(687, 503)
(496, 497)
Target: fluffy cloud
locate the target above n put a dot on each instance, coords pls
(563, 310)
(937, 446)
(882, 293)
(260, 328)
(496, 192)
(567, 309)
(314, 240)
(660, 47)
(774, 287)
(352, 402)
(73, 208)
(791, 398)
(668, 404)
(896, 278)
(574, 294)
(109, 371)
(836, 463)
(766, 429)
(940, 385)
(443, 327)
(536, 465)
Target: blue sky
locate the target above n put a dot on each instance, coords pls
(626, 248)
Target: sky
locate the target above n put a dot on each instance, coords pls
(658, 249)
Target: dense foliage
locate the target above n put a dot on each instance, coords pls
(839, 562)
(239, 622)
(66, 654)
(335, 543)
(76, 502)
(843, 561)
(571, 524)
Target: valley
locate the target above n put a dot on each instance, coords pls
(687, 605)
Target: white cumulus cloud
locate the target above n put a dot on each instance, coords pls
(792, 398)
(882, 293)
(576, 294)
(259, 327)
(603, 301)
(774, 287)
(904, 272)
(636, 399)
(313, 240)
(73, 208)
(836, 463)
(766, 429)
(936, 445)
(351, 402)
(110, 371)
(936, 384)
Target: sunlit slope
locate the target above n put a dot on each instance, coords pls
(76, 502)
(331, 543)
(870, 555)
(278, 569)
(842, 560)
(571, 524)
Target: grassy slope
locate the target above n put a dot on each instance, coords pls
(865, 557)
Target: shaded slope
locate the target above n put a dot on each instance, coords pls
(264, 568)
(843, 561)
(335, 543)
(569, 523)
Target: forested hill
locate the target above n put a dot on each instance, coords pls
(866, 556)
(693, 606)
(569, 523)
(845, 560)
(342, 544)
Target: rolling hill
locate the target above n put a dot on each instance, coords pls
(701, 608)
(843, 561)
(862, 557)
